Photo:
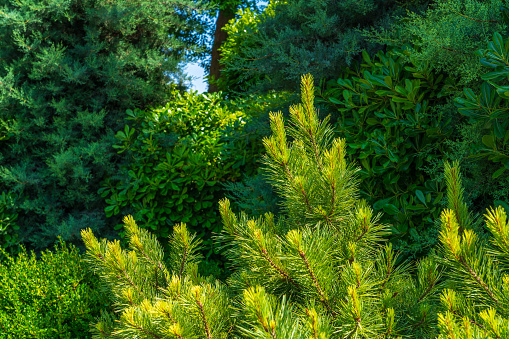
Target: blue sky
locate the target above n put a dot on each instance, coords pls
(197, 73)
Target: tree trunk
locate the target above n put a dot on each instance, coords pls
(219, 37)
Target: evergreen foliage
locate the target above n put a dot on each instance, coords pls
(52, 297)
(324, 254)
(234, 50)
(68, 72)
(8, 227)
(271, 50)
(153, 300)
(476, 295)
(447, 34)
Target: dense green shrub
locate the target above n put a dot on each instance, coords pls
(55, 296)
(68, 72)
(177, 156)
(389, 118)
(488, 115)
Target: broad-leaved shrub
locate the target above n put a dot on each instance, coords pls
(488, 115)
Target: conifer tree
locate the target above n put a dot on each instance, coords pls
(273, 49)
(155, 300)
(322, 261)
(476, 298)
(319, 271)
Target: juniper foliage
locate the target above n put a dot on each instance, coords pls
(447, 34)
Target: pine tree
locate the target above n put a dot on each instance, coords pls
(476, 298)
(319, 271)
(323, 261)
(154, 300)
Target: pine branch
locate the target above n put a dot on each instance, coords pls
(323, 297)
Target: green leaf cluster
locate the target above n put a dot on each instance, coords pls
(489, 108)
(55, 296)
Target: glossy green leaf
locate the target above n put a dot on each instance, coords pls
(420, 196)
(391, 209)
(498, 172)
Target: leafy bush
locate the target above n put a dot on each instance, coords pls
(177, 156)
(388, 118)
(51, 297)
(487, 112)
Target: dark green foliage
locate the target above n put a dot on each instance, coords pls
(68, 72)
(240, 41)
(52, 297)
(254, 193)
(447, 35)
(488, 112)
(388, 117)
(8, 226)
(177, 156)
(273, 49)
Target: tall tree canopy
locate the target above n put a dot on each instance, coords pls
(295, 37)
